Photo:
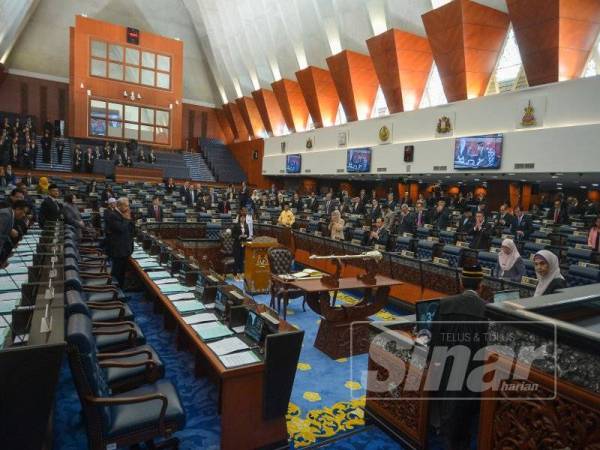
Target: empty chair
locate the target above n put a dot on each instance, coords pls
(112, 420)
(179, 216)
(531, 248)
(579, 276)
(575, 255)
(453, 254)
(573, 240)
(280, 262)
(447, 237)
(213, 231)
(97, 311)
(529, 268)
(359, 235)
(405, 243)
(426, 249)
(227, 261)
(423, 232)
(487, 259)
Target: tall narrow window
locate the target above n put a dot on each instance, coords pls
(509, 74)
(340, 117)
(380, 106)
(434, 91)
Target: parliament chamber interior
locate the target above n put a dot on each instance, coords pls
(335, 224)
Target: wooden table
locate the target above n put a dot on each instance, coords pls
(343, 331)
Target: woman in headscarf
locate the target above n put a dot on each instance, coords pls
(43, 185)
(547, 269)
(510, 265)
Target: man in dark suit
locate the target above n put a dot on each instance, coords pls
(375, 210)
(356, 206)
(523, 226)
(60, 149)
(46, 142)
(405, 221)
(420, 215)
(50, 210)
(9, 229)
(481, 233)
(29, 180)
(121, 229)
(184, 193)
(111, 208)
(155, 211)
(312, 203)
(377, 235)
(330, 204)
(224, 206)
(240, 233)
(505, 219)
(214, 197)
(466, 221)
(107, 194)
(558, 214)
(440, 217)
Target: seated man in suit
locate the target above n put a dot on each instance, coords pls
(558, 214)
(440, 217)
(481, 233)
(224, 206)
(155, 211)
(29, 180)
(9, 232)
(356, 207)
(375, 210)
(505, 219)
(388, 217)
(377, 235)
(330, 204)
(405, 221)
(51, 209)
(420, 215)
(170, 186)
(523, 226)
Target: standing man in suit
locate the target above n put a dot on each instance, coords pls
(46, 147)
(29, 180)
(467, 222)
(330, 204)
(505, 219)
(155, 211)
(558, 214)
(240, 233)
(405, 221)
(9, 232)
(481, 233)
(312, 202)
(121, 229)
(440, 216)
(51, 209)
(523, 226)
(375, 210)
(420, 215)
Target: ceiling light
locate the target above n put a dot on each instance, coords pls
(583, 187)
(559, 188)
(475, 179)
(511, 174)
(554, 176)
(595, 184)
(523, 181)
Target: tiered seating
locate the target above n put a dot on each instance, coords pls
(224, 166)
(199, 170)
(66, 165)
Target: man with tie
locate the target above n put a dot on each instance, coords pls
(405, 221)
(558, 214)
(155, 211)
(466, 222)
(330, 204)
(481, 233)
(313, 203)
(50, 210)
(440, 215)
(420, 218)
(523, 226)
(184, 192)
(505, 219)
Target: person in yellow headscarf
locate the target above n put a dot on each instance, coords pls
(43, 185)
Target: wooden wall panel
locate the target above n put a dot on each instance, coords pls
(232, 124)
(243, 153)
(225, 125)
(320, 95)
(85, 29)
(403, 62)
(3, 73)
(269, 111)
(292, 104)
(236, 115)
(465, 38)
(199, 121)
(356, 83)
(555, 37)
(251, 116)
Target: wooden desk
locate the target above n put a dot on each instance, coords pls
(343, 331)
(241, 390)
(257, 271)
(125, 174)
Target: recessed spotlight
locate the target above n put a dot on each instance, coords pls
(475, 179)
(559, 188)
(554, 176)
(583, 187)
(595, 184)
(511, 174)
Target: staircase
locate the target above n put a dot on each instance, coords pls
(199, 170)
(221, 161)
(66, 165)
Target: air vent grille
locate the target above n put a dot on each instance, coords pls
(382, 169)
(307, 171)
(524, 165)
(340, 171)
(440, 168)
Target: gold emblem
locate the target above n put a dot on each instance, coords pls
(444, 125)
(384, 133)
(262, 260)
(309, 143)
(528, 119)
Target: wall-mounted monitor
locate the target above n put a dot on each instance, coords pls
(358, 160)
(293, 163)
(478, 152)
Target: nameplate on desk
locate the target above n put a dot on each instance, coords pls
(486, 271)
(192, 220)
(379, 247)
(588, 265)
(441, 261)
(432, 239)
(579, 225)
(52, 273)
(407, 254)
(582, 247)
(189, 210)
(356, 242)
(428, 226)
(529, 281)
(451, 229)
(150, 220)
(317, 233)
(579, 233)
(548, 222)
(543, 241)
(302, 230)
(49, 293)
(237, 295)
(167, 210)
(169, 219)
(407, 235)
(462, 244)
(495, 250)
(268, 317)
(545, 230)
(143, 210)
(213, 278)
(507, 236)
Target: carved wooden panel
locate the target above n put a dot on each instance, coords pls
(292, 104)
(224, 124)
(269, 111)
(319, 94)
(251, 116)
(232, 124)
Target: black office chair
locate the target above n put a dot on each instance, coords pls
(227, 261)
(107, 311)
(142, 414)
(280, 262)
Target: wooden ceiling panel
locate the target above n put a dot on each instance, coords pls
(320, 95)
(229, 116)
(292, 104)
(238, 120)
(251, 116)
(269, 111)
(224, 124)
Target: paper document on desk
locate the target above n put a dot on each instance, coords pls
(212, 330)
(182, 296)
(174, 288)
(300, 275)
(200, 318)
(13, 295)
(13, 270)
(166, 281)
(158, 274)
(227, 345)
(188, 306)
(6, 285)
(239, 359)
(7, 306)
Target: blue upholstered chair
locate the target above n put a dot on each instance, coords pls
(107, 311)
(404, 243)
(425, 249)
(453, 254)
(213, 231)
(579, 276)
(575, 255)
(447, 237)
(531, 248)
(487, 259)
(573, 240)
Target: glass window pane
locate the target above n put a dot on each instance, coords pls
(162, 118)
(98, 108)
(132, 74)
(115, 71)
(163, 80)
(147, 116)
(115, 111)
(148, 60)
(98, 68)
(132, 56)
(148, 77)
(115, 129)
(131, 113)
(146, 133)
(131, 131)
(162, 135)
(99, 49)
(115, 52)
(163, 63)
(98, 127)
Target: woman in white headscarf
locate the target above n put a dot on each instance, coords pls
(547, 269)
(510, 265)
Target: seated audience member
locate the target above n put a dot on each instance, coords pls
(522, 224)
(88, 160)
(3, 180)
(547, 269)
(9, 232)
(184, 193)
(264, 202)
(128, 161)
(558, 214)
(377, 235)
(29, 180)
(296, 203)
(505, 219)
(77, 159)
(92, 188)
(71, 213)
(594, 236)
(391, 201)
(467, 221)
(151, 157)
(224, 206)
(11, 179)
(42, 187)
(51, 209)
(375, 210)
(481, 233)
(440, 216)
(155, 211)
(510, 265)
(203, 204)
(420, 214)
(14, 195)
(119, 161)
(170, 186)
(336, 226)
(405, 221)
(141, 156)
(312, 204)
(356, 207)
(286, 217)
(330, 204)
(97, 153)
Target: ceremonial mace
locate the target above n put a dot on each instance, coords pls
(371, 258)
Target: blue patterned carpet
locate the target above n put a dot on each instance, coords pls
(327, 397)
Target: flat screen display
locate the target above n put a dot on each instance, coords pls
(359, 160)
(426, 313)
(254, 326)
(478, 152)
(293, 163)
